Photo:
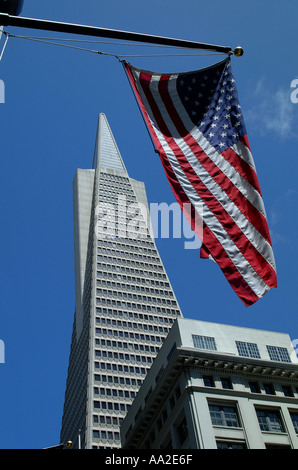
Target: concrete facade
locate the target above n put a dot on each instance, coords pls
(217, 386)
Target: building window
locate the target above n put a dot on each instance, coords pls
(269, 389)
(204, 342)
(270, 420)
(208, 381)
(294, 417)
(278, 446)
(226, 382)
(230, 445)
(287, 390)
(222, 415)
(254, 387)
(279, 354)
(247, 349)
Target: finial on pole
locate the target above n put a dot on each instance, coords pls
(238, 51)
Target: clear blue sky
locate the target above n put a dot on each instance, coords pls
(47, 130)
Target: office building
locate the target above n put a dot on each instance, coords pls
(124, 305)
(215, 386)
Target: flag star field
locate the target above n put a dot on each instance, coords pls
(213, 105)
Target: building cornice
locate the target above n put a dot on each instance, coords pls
(237, 364)
(190, 358)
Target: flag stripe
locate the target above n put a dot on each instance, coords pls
(243, 149)
(132, 76)
(242, 167)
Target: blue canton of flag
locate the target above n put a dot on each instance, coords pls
(210, 98)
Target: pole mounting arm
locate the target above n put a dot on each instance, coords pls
(34, 23)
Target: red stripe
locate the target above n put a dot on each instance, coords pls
(145, 79)
(244, 245)
(142, 106)
(242, 167)
(164, 94)
(245, 141)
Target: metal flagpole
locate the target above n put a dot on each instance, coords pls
(34, 23)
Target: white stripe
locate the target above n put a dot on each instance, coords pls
(255, 282)
(244, 153)
(252, 234)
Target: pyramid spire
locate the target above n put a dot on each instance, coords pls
(106, 152)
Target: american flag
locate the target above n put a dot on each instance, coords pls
(197, 127)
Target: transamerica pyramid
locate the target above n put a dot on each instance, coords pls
(124, 302)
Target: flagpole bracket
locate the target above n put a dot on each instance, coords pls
(46, 25)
